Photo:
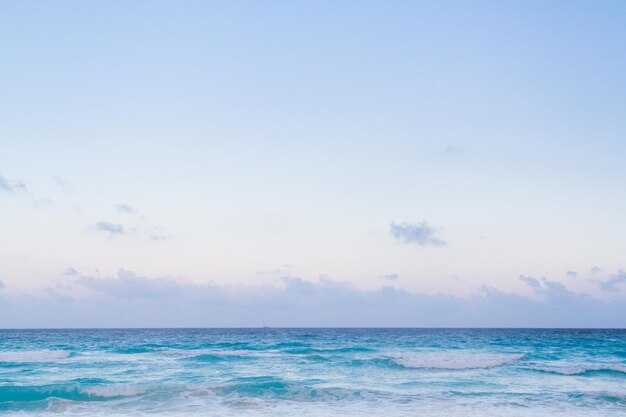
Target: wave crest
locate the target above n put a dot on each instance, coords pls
(34, 355)
(453, 360)
(586, 370)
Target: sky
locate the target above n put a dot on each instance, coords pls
(401, 163)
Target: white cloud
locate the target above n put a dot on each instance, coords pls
(418, 233)
(391, 277)
(125, 209)
(112, 229)
(611, 284)
(11, 186)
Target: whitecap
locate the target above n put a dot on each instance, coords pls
(34, 355)
(583, 369)
(113, 391)
(453, 360)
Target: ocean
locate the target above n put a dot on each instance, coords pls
(313, 372)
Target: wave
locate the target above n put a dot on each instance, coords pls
(274, 388)
(317, 358)
(272, 391)
(218, 357)
(452, 360)
(130, 350)
(215, 355)
(375, 362)
(115, 391)
(34, 356)
(287, 345)
(310, 350)
(263, 387)
(74, 392)
(585, 370)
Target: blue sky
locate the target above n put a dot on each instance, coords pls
(428, 148)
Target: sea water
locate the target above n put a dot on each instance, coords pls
(313, 372)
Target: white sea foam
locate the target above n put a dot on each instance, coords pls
(198, 352)
(112, 391)
(453, 359)
(225, 353)
(34, 355)
(581, 369)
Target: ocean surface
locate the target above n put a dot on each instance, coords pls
(313, 372)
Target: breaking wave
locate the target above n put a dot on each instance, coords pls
(35, 355)
(451, 360)
(74, 392)
(586, 370)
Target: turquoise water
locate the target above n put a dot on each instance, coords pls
(313, 372)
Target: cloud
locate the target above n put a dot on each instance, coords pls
(571, 274)
(276, 271)
(117, 229)
(11, 186)
(125, 209)
(548, 290)
(70, 271)
(451, 150)
(128, 299)
(391, 277)
(127, 284)
(595, 269)
(113, 229)
(2, 285)
(611, 284)
(153, 233)
(42, 202)
(531, 282)
(418, 233)
(61, 183)
(139, 227)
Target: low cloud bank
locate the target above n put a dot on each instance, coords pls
(130, 300)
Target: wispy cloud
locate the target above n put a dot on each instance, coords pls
(595, 269)
(571, 274)
(61, 183)
(283, 270)
(417, 233)
(42, 202)
(137, 225)
(451, 150)
(70, 271)
(125, 209)
(154, 233)
(391, 277)
(11, 186)
(2, 285)
(112, 229)
(138, 230)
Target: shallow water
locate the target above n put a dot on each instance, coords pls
(314, 372)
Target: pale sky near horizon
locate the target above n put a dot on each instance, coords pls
(434, 147)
